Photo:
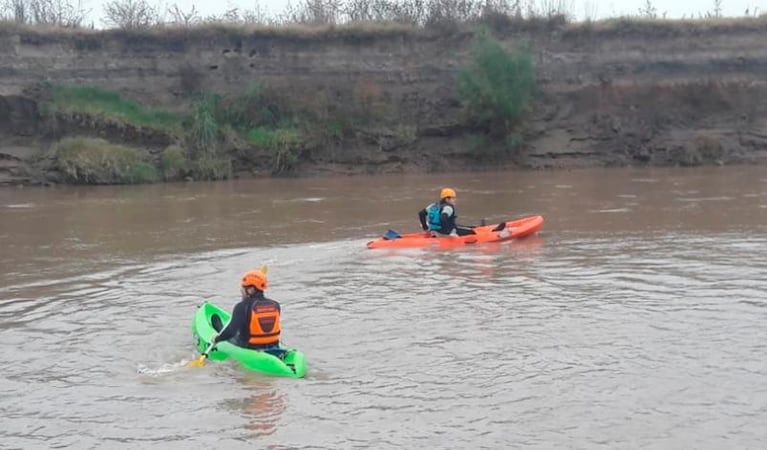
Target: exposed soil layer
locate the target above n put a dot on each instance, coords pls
(615, 94)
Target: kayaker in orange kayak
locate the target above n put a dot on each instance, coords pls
(255, 321)
(439, 217)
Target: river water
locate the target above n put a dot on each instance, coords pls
(636, 318)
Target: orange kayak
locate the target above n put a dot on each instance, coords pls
(487, 233)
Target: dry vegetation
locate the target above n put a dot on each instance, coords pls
(313, 17)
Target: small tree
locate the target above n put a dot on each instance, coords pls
(498, 86)
(314, 12)
(59, 13)
(717, 8)
(648, 11)
(18, 9)
(130, 14)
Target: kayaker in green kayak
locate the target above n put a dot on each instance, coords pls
(255, 321)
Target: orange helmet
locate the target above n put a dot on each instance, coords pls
(445, 193)
(255, 278)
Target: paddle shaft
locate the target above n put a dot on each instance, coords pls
(210, 347)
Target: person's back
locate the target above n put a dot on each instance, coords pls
(264, 325)
(255, 321)
(430, 217)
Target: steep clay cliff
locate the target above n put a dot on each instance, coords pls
(614, 93)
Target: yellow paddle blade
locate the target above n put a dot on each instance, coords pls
(199, 362)
(264, 269)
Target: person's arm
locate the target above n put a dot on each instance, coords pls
(422, 219)
(448, 218)
(448, 223)
(239, 315)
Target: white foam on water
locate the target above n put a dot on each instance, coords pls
(612, 210)
(163, 369)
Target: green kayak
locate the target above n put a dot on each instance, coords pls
(281, 362)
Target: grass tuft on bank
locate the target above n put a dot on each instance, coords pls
(111, 104)
(86, 160)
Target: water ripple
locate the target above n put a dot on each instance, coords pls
(582, 343)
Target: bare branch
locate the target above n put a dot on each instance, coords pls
(130, 14)
(181, 17)
(61, 13)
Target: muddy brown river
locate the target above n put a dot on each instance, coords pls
(636, 318)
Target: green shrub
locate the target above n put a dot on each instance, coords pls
(96, 161)
(709, 147)
(260, 137)
(280, 137)
(141, 172)
(204, 130)
(173, 163)
(247, 110)
(211, 167)
(498, 86)
(284, 145)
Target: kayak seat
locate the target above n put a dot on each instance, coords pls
(277, 352)
(216, 322)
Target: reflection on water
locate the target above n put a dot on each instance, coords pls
(634, 319)
(263, 405)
